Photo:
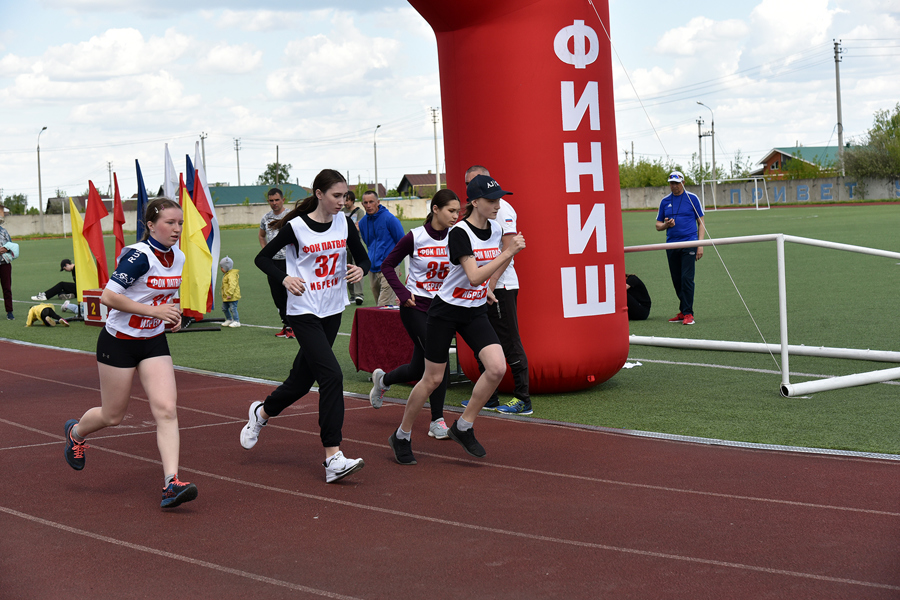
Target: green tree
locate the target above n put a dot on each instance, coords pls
(17, 204)
(877, 154)
(796, 168)
(644, 173)
(275, 174)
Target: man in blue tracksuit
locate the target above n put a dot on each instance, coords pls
(681, 217)
(380, 231)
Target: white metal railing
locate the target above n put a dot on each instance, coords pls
(787, 388)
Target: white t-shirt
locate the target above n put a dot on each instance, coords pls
(320, 259)
(506, 219)
(271, 233)
(457, 290)
(157, 286)
(428, 265)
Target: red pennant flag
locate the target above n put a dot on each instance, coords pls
(118, 220)
(93, 232)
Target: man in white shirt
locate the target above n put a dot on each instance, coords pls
(279, 293)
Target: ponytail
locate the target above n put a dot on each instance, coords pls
(323, 181)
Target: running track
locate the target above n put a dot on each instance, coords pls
(553, 511)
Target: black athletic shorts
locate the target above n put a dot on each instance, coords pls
(477, 332)
(126, 354)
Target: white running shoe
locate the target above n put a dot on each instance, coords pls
(250, 433)
(339, 466)
(40, 297)
(227, 322)
(69, 307)
(235, 324)
(378, 388)
(438, 429)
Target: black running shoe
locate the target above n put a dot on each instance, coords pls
(467, 440)
(402, 450)
(178, 492)
(74, 450)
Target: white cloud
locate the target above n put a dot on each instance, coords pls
(116, 52)
(223, 58)
(259, 20)
(341, 63)
(781, 28)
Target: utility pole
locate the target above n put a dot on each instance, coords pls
(276, 164)
(237, 149)
(109, 172)
(632, 153)
(203, 147)
(840, 124)
(40, 194)
(375, 149)
(712, 133)
(437, 168)
(700, 155)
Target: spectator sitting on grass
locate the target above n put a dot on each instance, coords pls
(63, 288)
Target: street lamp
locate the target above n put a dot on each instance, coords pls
(375, 148)
(40, 195)
(712, 123)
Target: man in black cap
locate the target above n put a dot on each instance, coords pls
(63, 287)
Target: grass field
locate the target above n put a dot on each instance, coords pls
(834, 299)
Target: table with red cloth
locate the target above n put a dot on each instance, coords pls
(378, 340)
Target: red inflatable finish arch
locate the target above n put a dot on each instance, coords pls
(526, 90)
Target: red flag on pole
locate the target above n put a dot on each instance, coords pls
(93, 232)
(202, 203)
(118, 220)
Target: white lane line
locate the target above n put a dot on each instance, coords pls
(179, 557)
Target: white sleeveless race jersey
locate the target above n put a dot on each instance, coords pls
(320, 259)
(457, 289)
(428, 265)
(157, 286)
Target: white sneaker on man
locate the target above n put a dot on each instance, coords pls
(339, 466)
(40, 297)
(438, 429)
(376, 396)
(235, 324)
(250, 433)
(227, 322)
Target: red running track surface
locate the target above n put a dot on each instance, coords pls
(553, 511)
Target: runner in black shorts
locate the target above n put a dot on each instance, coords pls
(139, 295)
(460, 307)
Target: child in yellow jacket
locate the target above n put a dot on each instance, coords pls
(46, 314)
(231, 293)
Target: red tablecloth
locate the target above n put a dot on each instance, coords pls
(378, 340)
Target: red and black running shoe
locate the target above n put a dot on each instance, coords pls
(178, 492)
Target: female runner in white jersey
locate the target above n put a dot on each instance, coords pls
(139, 296)
(460, 307)
(428, 266)
(316, 236)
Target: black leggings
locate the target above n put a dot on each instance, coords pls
(48, 312)
(315, 362)
(414, 320)
(279, 292)
(63, 287)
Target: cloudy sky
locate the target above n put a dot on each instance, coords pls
(114, 80)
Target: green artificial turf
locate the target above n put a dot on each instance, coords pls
(834, 299)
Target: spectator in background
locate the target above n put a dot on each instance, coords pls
(231, 292)
(638, 298)
(63, 287)
(46, 314)
(6, 257)
(681, 217)
(267, 231)
(353, 213)
(380, 231)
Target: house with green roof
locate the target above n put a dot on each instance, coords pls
(255, 194)
(775, 160)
